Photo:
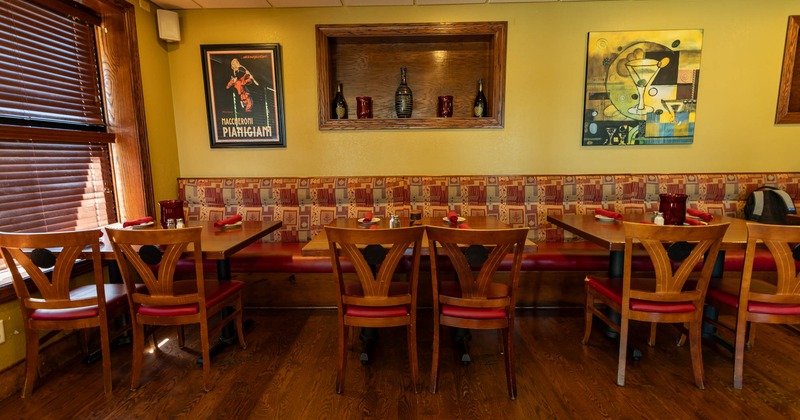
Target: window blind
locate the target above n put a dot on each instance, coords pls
(55, 166)
(48, 68)
(47, 187)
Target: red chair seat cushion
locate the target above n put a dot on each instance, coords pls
(115, 296)
(216, 292)
(376, 311)
(732, 300)
(473, 313)
(396, 288)
(612, 289)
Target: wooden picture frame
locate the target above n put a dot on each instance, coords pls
(244, 95)
(788, 111)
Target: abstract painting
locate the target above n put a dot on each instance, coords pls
(641, 87)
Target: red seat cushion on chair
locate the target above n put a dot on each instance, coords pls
(612, 289)
(216, 292)
(64, 314)
(376, 311)
(475, 313)
(723, 296)
(115, 294)
(773, 308)
(173, 310)
(755, 307)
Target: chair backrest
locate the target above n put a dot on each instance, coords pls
(783, 242)
(37, 253)
(484, 248)
(148, 248)
(690, 245)
(375, 255)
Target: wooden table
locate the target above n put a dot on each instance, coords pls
(318, 245)
(219, 244)
(611, 236)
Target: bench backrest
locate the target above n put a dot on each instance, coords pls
(306, 204)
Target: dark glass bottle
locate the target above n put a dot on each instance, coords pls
(339, 105)
(480, 107)
(403, 99)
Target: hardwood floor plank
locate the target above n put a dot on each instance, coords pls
(288, 371)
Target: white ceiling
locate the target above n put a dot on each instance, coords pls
(258, 4)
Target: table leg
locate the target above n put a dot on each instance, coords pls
(462, 336)
(616, 264)
(368, 337)
(616, 269)
(114, 275)
(711, 312)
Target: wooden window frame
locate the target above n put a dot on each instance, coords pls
(118, 56)
(788, 111)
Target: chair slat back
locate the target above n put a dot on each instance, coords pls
(455, 244)
(67, 247)
(783, 243)
(173, 244)
(375, 276)
(670, 282)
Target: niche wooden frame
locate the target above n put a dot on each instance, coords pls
(788, 111)
(442, 59)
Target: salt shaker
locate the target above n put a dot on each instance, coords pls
(659, 219)
(394, 221)
(170, 223)
(179, 224)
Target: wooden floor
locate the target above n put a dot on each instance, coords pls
(288, 372)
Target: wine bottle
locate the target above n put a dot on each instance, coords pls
(403, 99)
(480, 108)
(339, 105)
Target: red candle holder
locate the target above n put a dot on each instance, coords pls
(170, 209)
(673, 206)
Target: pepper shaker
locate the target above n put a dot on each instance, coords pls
(179, 224)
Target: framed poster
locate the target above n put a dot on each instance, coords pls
(641, 87)
(244, 95)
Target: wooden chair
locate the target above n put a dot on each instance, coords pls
(757, 300)
(168, 301)
(376, 301)
(666, 298)
(474, 300)
(60, 306)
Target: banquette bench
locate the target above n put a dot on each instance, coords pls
(278, 275)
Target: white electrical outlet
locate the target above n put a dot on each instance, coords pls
(2, 332)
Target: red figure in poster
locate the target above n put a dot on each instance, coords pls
(240, 79)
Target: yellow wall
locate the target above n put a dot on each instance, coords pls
(741, 61)
(13, 350)
(157, 88)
